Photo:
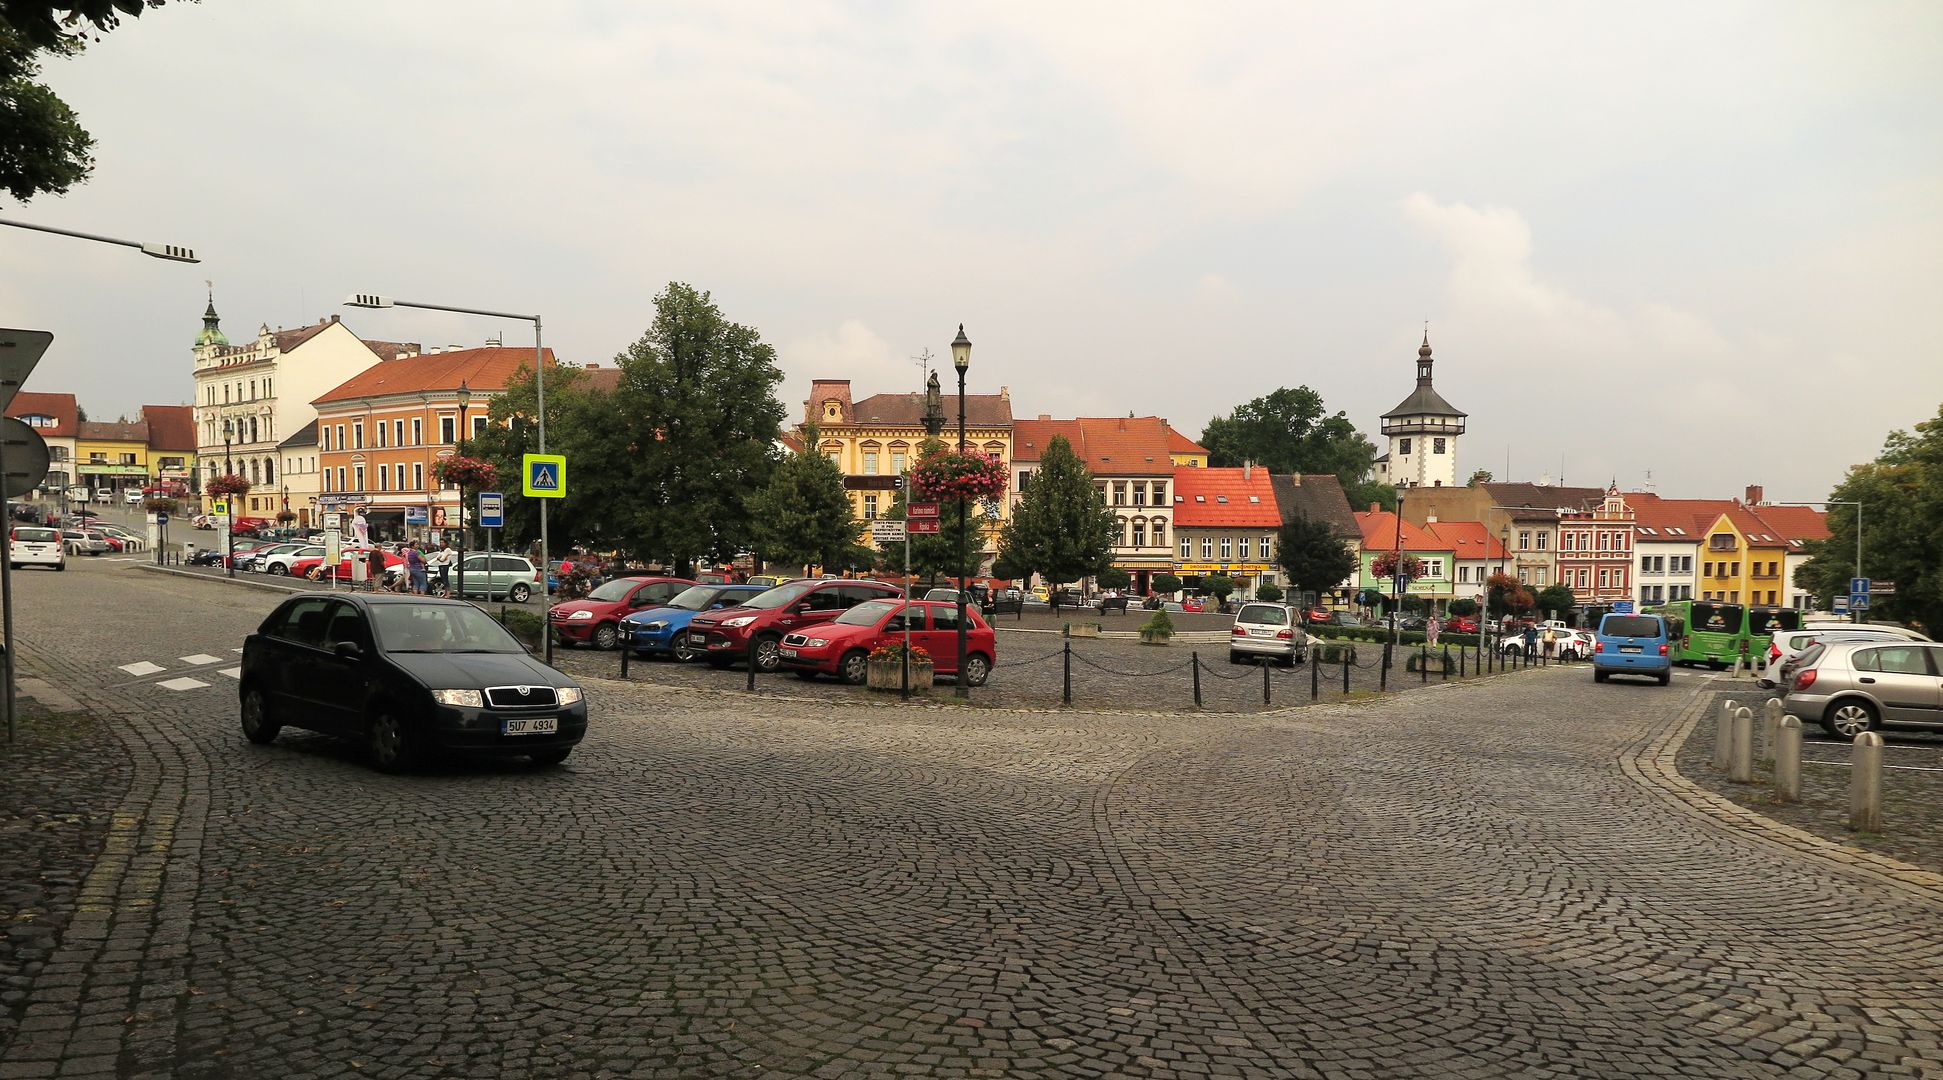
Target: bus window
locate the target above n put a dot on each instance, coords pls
(1717, 618)
(1773, 620)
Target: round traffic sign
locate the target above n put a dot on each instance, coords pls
(26, 454)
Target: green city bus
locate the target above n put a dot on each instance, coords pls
(1707, 632)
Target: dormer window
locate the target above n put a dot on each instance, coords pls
(833, 410)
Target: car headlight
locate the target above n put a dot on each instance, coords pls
(471, 699)
(738, 621)
(816, 642)
(569, 695)
(579, 616)
(658, 624)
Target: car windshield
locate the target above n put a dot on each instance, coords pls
(1717, 618)
(945, 595)
(867, 613)
(1630, 626)
(1344, 618)
(1263, 614)
(696, 597)
(614, 590)
(439, 628)
(1773, 620)
(780, 596)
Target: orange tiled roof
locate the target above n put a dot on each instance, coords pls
(1380, 533)
(61, 407)
(1467, 539)
(1178, 443)
(114, 431)
(480, 369)
(170, 427)
(1795, 523)
(1204, 497)
(1107, 445)
(1655, 519)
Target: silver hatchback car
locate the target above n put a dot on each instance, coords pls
(1850, 687)
(1268, 630)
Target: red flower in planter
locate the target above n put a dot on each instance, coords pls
(1385, 566)
(228, 486)
(949, 475)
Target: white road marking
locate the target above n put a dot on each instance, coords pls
(232, 672)
(201, 658)
(235, 650)
(182, 684)
(142, 668)
(1851, 765)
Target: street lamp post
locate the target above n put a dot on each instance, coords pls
(961, 359)
(373, 300)
(229, 519)
(464, 397)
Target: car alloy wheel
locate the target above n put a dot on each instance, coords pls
(518, 593)
(976, 670)
(605, 636)
(855, 668)
(389, 743)
(683, 648)
(278, 569)
(258, 727)
(1847, 719)
(769, 654)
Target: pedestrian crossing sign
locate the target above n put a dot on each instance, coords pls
(219, 507)
(544, 476)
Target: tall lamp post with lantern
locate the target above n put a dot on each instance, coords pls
(961, 359)
(464, 397)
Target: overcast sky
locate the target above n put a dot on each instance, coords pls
(1704, 240)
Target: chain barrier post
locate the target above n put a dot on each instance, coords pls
(1383, 671)
(627, 647)
(1195, 659)
(1265, 699)
(1345, 655)
(1066, 693)
(1444, 671)
(1423, 663)
(752, 662)
(1463, 655)
(1315, 674)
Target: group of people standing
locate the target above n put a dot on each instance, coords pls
(425, 570)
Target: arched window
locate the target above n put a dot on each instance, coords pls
(256, 474)
(269, 470)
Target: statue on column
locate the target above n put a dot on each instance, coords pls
(934, 407)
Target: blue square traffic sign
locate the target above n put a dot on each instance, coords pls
(1859, 586)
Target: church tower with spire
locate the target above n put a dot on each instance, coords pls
(1423, 432)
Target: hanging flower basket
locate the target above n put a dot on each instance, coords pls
(950, 475)
(466, 472)
(286, 517)
(159, 504)
(227, 486)
(1385, 565)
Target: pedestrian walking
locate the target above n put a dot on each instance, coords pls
(415, 567)
(1531, 641)
(440, 566)
(374, 562)
(1551, 641)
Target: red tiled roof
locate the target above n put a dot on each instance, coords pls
(1178, 443)
(1380, 533)
(1468, 539)
(1107, 445)
(61, 407)
(114, 431)
(1795, 522)
(601, 380)
(480, 369)
(170, 427)
(1753, 528)
(393, 350)
(1692, 516)
(907, 410)
(1199, 496)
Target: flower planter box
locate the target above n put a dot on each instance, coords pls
(888, 675)
(1082, 629)
(1156, 637)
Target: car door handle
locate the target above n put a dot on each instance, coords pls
(1865, 679)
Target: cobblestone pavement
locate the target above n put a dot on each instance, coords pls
(1912, 784)
(1503, 878)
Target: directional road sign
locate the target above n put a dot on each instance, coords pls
(1841, 605)
(920, 526)
(921, 510)
(1858, 586)
(887, 532)
(492, 510)
(1622, 607)
(161, 517)
(874, 483)
(543, 476)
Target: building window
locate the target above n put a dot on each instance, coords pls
(418, 431)
(382, 435)
(1436, 446)
(340, 437)
(398, 432)
(1119, 493)
(1187, 549)
(1736, 571)
(1024, 475)
(1160, 534)
(340, 478)
(384, 478)
(1605, 579)
(1543, 574)
(357, 436)
(1139, 494)
(897, 461)
(448, 429)
(1207, 547)
(1241, 549)
(1543, 538)
(870, 463)
(1139, 534)
(1524, 540)
(870, 507)
(1225, 548)
(1433, 568)
(357, 477)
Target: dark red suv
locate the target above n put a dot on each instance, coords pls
(597, 618)
(724, 636)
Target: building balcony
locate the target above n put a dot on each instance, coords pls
(1422, 425)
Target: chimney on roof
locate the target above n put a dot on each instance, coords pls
(1247, 470)
(1005, 393)
(593, 367)
(1430, 518)
(1754, 494)
(333, 318)
(1045, 416)
(453, 348)
(1376, 508)
(433, 351)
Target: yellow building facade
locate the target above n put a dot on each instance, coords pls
(1743, 561)
(111, 456)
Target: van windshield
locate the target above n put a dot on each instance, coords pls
(1630, 626)
(36, 536)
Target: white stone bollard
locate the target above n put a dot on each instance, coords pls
(1865, 784)
(1770, 727)
(1740, 765)
(1787, 761)
(1723, 726)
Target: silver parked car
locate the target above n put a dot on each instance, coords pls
(1850, 687)
(1785, 649)
(498, 577)
(1268, 630)
(84, 542)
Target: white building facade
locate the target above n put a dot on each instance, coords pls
(1423, 431)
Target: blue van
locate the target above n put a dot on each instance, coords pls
(1632, 645)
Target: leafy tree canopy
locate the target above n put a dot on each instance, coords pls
(1165, 583)
(1219, 586)
(1310, 553)
(1482, 476)
(1287, 431)
(1901, 493)
(803, 517)
(1557, 600)
(1061, 529)
(1361, 495)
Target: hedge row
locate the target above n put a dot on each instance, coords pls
(1380, 634)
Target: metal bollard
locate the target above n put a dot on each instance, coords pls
(1383, 671)
(1770, 728)
(1345, 672)
(1265, 699)
(1787, 761)
(1444, 668)
(1463, 655)
(1740, 766)
(1723, 733)
(627, 647)
(752, 661)
(1865, 784)
(1423, 664)
(1066, 692)
(1315, 674)
(1194, 659)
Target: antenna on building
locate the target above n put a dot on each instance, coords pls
(923, 361)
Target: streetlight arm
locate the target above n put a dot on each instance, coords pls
(375, 300)
(170, 252)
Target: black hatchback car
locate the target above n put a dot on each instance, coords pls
(405, 676)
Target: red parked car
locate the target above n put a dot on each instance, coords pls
(597, 618)
(842, 646)
(724, 635)
(1460, 624)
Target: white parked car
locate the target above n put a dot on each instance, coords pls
(1788, 645)
(104, 495)
(133, 496)
(1268, 630)
(279, 563)
(129, 541)
(31, 545)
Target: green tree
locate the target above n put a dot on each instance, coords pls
(1363, 493)
(1482, 476)
(1219, 586)
(1061, 528)
(1287, 431)
(1315, 560)
(1901, 493)
(1507, 595)
(803, 515)
(1465, 607)
(935, 556)
(1165, 583)
(1557, 601)
(1003, 569)
(1113, 577)
(575, 415)
(1269, 592)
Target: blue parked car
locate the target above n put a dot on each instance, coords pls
(665, 629)
(1632, 645)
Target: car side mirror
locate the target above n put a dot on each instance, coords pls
(803, 608)
(349, 650)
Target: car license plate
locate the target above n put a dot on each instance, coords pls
(789, 654)
(530, 725)
(1629, 648)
